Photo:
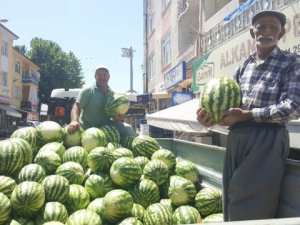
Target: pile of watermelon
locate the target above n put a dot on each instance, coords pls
(93, 177)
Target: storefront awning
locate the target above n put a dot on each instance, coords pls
(10, 111)
(178, 118)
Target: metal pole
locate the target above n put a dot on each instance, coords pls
(131, 70)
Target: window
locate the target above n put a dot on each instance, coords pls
(18, 67)
(4, 48)
(151, 23)
(4, 79)
(164, 4)
(151, 67)
(166, 50)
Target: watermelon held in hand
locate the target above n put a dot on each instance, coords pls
(220, 94)
(116, 104)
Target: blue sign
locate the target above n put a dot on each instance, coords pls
(175, 75)
(181, 97)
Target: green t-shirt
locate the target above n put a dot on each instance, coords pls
(92, 107)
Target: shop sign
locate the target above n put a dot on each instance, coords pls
(181, 97)
(175, 75)
(4, 95)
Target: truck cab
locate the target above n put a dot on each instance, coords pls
(60, 105)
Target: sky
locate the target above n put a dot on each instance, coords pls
(94, 30)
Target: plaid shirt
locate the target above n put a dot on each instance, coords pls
(271, 90)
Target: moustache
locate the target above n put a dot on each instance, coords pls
(261, 37)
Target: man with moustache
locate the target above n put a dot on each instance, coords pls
(258, 141)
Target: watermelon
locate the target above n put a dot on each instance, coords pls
(21, 221)
(32, 172)
(53, 223)
(145, 193)
(111, 146)
(100, 159)
(144, 145)
(98, 185)
(29, 134)
(157, 214)
(111, 133)
(125, 172)
(49, 131)
(208, 201)
(72, 171)
(166, 156)
(218, 95)
(57, 147)
(168, 203)
(7, 185)
(188, 170)
(76, 154)
(186, 214)
(78, 198)
(122, 152)
(93, 137)
(5, 208)
(142, 161)
(181, 191)
(157, 171)
(117, 205)
(138, 211)
(84, 217)
(126, 141)
(96, 206)
(52, 211)
(56, 188)
(116, 104)
(27, 198)
(130, 221)
(74, 139)
(49, 160)
(214, 218)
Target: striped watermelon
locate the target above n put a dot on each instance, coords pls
(145, 193)
(126, 141)
(125, 172)
(138, 211)
(72, 171)
(122, 152)
(208, 201)
(5, 208)
(157, 214)
(97, 206)
(93, 137)
(117, 205)
(168, 203)
(186, 214)
(49, 131)
(98, 185)
(7, 185)
(14, 154)
(100, 159)
(188, 170)
(21, 221)
(32, 172)
(181, 191)
(157, 171)
(76, 154)
(56, 147)
(130, 221)
(53, 223)
(49, 160)
(144, 145)
(214, 218)
(27, 198)
(166, 156)
(111, 146)
(73, 139)
(218, 95)
(84, 217)
(78, 198)
(56, 188)
(116, 104)
(29, 134)
(111, 133)
(52, 211)
(142, 161)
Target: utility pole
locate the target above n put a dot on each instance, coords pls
(128, 53)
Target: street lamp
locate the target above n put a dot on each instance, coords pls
(3, 20)
(128, 53)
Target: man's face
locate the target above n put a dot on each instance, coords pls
(102, 76)
(267, 31)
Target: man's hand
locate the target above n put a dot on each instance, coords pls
(203, 118)
(73, 127)
(235, 115)
(119, 118)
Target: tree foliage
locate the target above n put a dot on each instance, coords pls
(21, 49)
(58, 69)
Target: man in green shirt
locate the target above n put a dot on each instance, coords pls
(88, 110)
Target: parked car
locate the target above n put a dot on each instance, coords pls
(28, 123)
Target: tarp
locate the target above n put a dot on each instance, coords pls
(10, 111)
(178, 118)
